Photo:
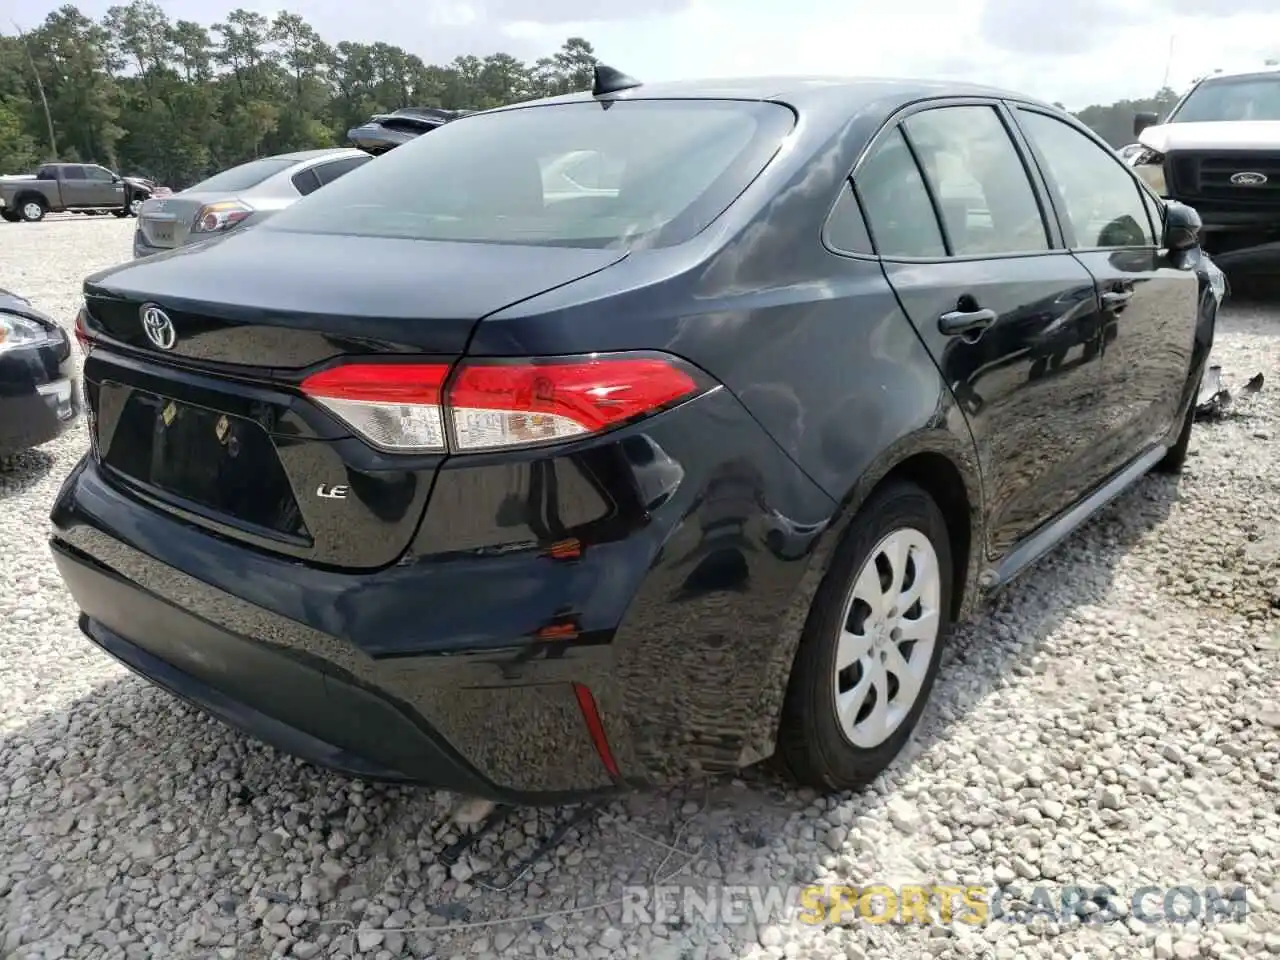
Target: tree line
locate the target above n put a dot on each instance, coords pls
(175, 100)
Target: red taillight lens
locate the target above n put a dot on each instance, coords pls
(496, 405)
(83, 336)
(395, 406)
(513, 404)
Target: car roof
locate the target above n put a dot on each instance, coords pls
(302, 156)
(1270, 73)
(801, 92)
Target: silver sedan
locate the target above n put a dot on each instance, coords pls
(237, 197)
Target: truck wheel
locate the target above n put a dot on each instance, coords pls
(32, 210)
(10, 215)
(120, 213)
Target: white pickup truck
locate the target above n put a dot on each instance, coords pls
(1218, 150)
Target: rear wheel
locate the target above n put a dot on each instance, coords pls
(32, 210)
(871, 647)
(120, 213)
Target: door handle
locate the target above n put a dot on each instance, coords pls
(958, 323)
(1116, 298)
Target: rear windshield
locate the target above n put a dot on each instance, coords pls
(639, 173)
(242, 177)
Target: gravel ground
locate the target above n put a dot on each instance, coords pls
(1113, 720)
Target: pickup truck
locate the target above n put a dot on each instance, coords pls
(1218, 150)
(71, 187)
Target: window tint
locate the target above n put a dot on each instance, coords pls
(242, 177)
(47, 173)
(97, 173)
(669, 167)
(1102, 202)
(846, 230)
(306, 181)
(70, 172)
(331, 171)
(986, 200)
(897, 204)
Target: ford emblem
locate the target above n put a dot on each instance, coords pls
(1248, 178)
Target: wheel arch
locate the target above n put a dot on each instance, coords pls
(26, 196)
(942, 461)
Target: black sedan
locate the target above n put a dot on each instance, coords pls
(596, 442)
(38, 395)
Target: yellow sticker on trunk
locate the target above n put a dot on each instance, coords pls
(170, 412)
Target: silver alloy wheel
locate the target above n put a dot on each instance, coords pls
(888, 632)
(32, 210)
(135, 205)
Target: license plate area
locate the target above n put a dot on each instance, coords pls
(224, 466)
(160, 234)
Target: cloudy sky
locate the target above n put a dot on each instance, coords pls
(1075, 51)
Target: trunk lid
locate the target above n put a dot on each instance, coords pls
(215, 429)
(166, 222)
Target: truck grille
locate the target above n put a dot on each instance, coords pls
(1204, 175)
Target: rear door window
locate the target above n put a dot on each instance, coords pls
(305, 181)
(899, 212)
(640, 173)
(986, 199)
(331, 171)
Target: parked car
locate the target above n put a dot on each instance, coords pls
(39, 399)
(238, 197)
(435, 479)
(70, 187)
(386, 131)
(1219, 149)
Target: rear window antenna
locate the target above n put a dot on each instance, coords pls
(607, 80)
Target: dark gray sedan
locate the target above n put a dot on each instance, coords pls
(238, 197)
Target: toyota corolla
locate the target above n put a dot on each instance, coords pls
(472, 473)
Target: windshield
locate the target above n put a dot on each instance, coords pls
(242, 177)
(1244, 98)
(641, 172)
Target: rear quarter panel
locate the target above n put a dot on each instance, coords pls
(814, 345)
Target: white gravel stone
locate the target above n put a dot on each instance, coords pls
(1111, 719)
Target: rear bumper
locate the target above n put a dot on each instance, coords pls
(462, 667)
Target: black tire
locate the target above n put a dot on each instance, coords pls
(120, 213)
(811, 743)
(1176, 458)
(32, 210)
(10, 216)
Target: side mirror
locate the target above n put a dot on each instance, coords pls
(1181, 226)
(1143, 120)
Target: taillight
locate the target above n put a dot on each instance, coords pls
(83, 336)
(492, 405)
(224, 215)
(513, 404)
(395, 406)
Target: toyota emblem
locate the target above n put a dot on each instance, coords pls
(158, 327)
(1248, 178)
